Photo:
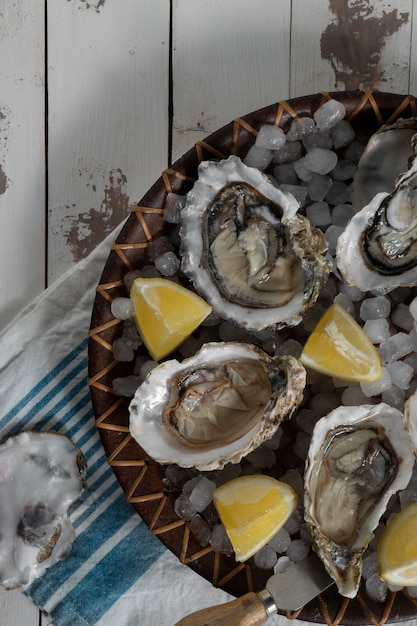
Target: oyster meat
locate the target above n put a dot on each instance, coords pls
(378, 248)
(247, 251)
(41, 475)
(358, 457)
(216, 406)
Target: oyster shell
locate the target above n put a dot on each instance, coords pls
(358, 457)
(41, 475)
(410, 416)
(216, 406)
(387, 155)
(247, 251)
(378, 248)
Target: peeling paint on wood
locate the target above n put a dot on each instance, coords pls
(88, 229)
(3, 181)
(4, 139)
(96, 5)
(354, 39)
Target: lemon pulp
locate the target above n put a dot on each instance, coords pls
(339, 347)
(253, 509)
(397, 548)
(165, 314)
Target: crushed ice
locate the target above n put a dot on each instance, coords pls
(304, 162)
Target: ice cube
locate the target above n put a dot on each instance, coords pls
(174, 203)
(395, 347)
(319, 214)
(342, 134)
(126, 385)
(375, 307)
(301, 128)
(298, 550)
(285, 173)
(320, 160)
(376, 387)
(258, 157)
(401, 374)
(343, 170)
(318, 186)
(122, 308)
(329, 114)
(402, 317)
(377, 330)
(280, 541)
(270, 137)
(289, 152)
(219, 540)
(341, 214)
(201, 495)
(265, 558)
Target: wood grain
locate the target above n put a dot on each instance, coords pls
(108, 119)
(22, 155)
(229, 58)
(106, 81)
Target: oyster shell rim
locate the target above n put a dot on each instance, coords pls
(375, 413)
(146, 419)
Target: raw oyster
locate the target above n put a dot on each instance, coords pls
(216, 406)
(41, 475)
(358, 457)
(247, 251)
(378, 248)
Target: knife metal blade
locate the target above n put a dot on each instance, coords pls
(287, 591)
(299, 584)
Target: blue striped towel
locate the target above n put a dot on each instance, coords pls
(117, 571)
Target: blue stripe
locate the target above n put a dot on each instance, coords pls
(94, 488)
(89, 434)
(45, 399)
(102, 498)
(88, 542)
(112, 577)
(92, 451)
(45, 381)
(68, 415)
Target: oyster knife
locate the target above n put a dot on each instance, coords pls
(287, 591)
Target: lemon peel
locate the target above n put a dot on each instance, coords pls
(166, 314)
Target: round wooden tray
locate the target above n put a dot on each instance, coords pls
(139, 476)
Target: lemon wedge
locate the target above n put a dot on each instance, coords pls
(253, 509)
(339, 347)
(166, 313)
(397, 548)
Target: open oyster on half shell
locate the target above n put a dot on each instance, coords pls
(249, 254)
(216, 406)
(358, 457)
(378, 248)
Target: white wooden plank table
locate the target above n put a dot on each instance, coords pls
(98, 97)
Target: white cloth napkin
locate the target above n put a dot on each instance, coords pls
(117, 572)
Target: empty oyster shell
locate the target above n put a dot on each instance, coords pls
(378, 248)
(41, 475)
(216, 406)
(358, 457)
(247, 251)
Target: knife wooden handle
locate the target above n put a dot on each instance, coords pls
(248, 610)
